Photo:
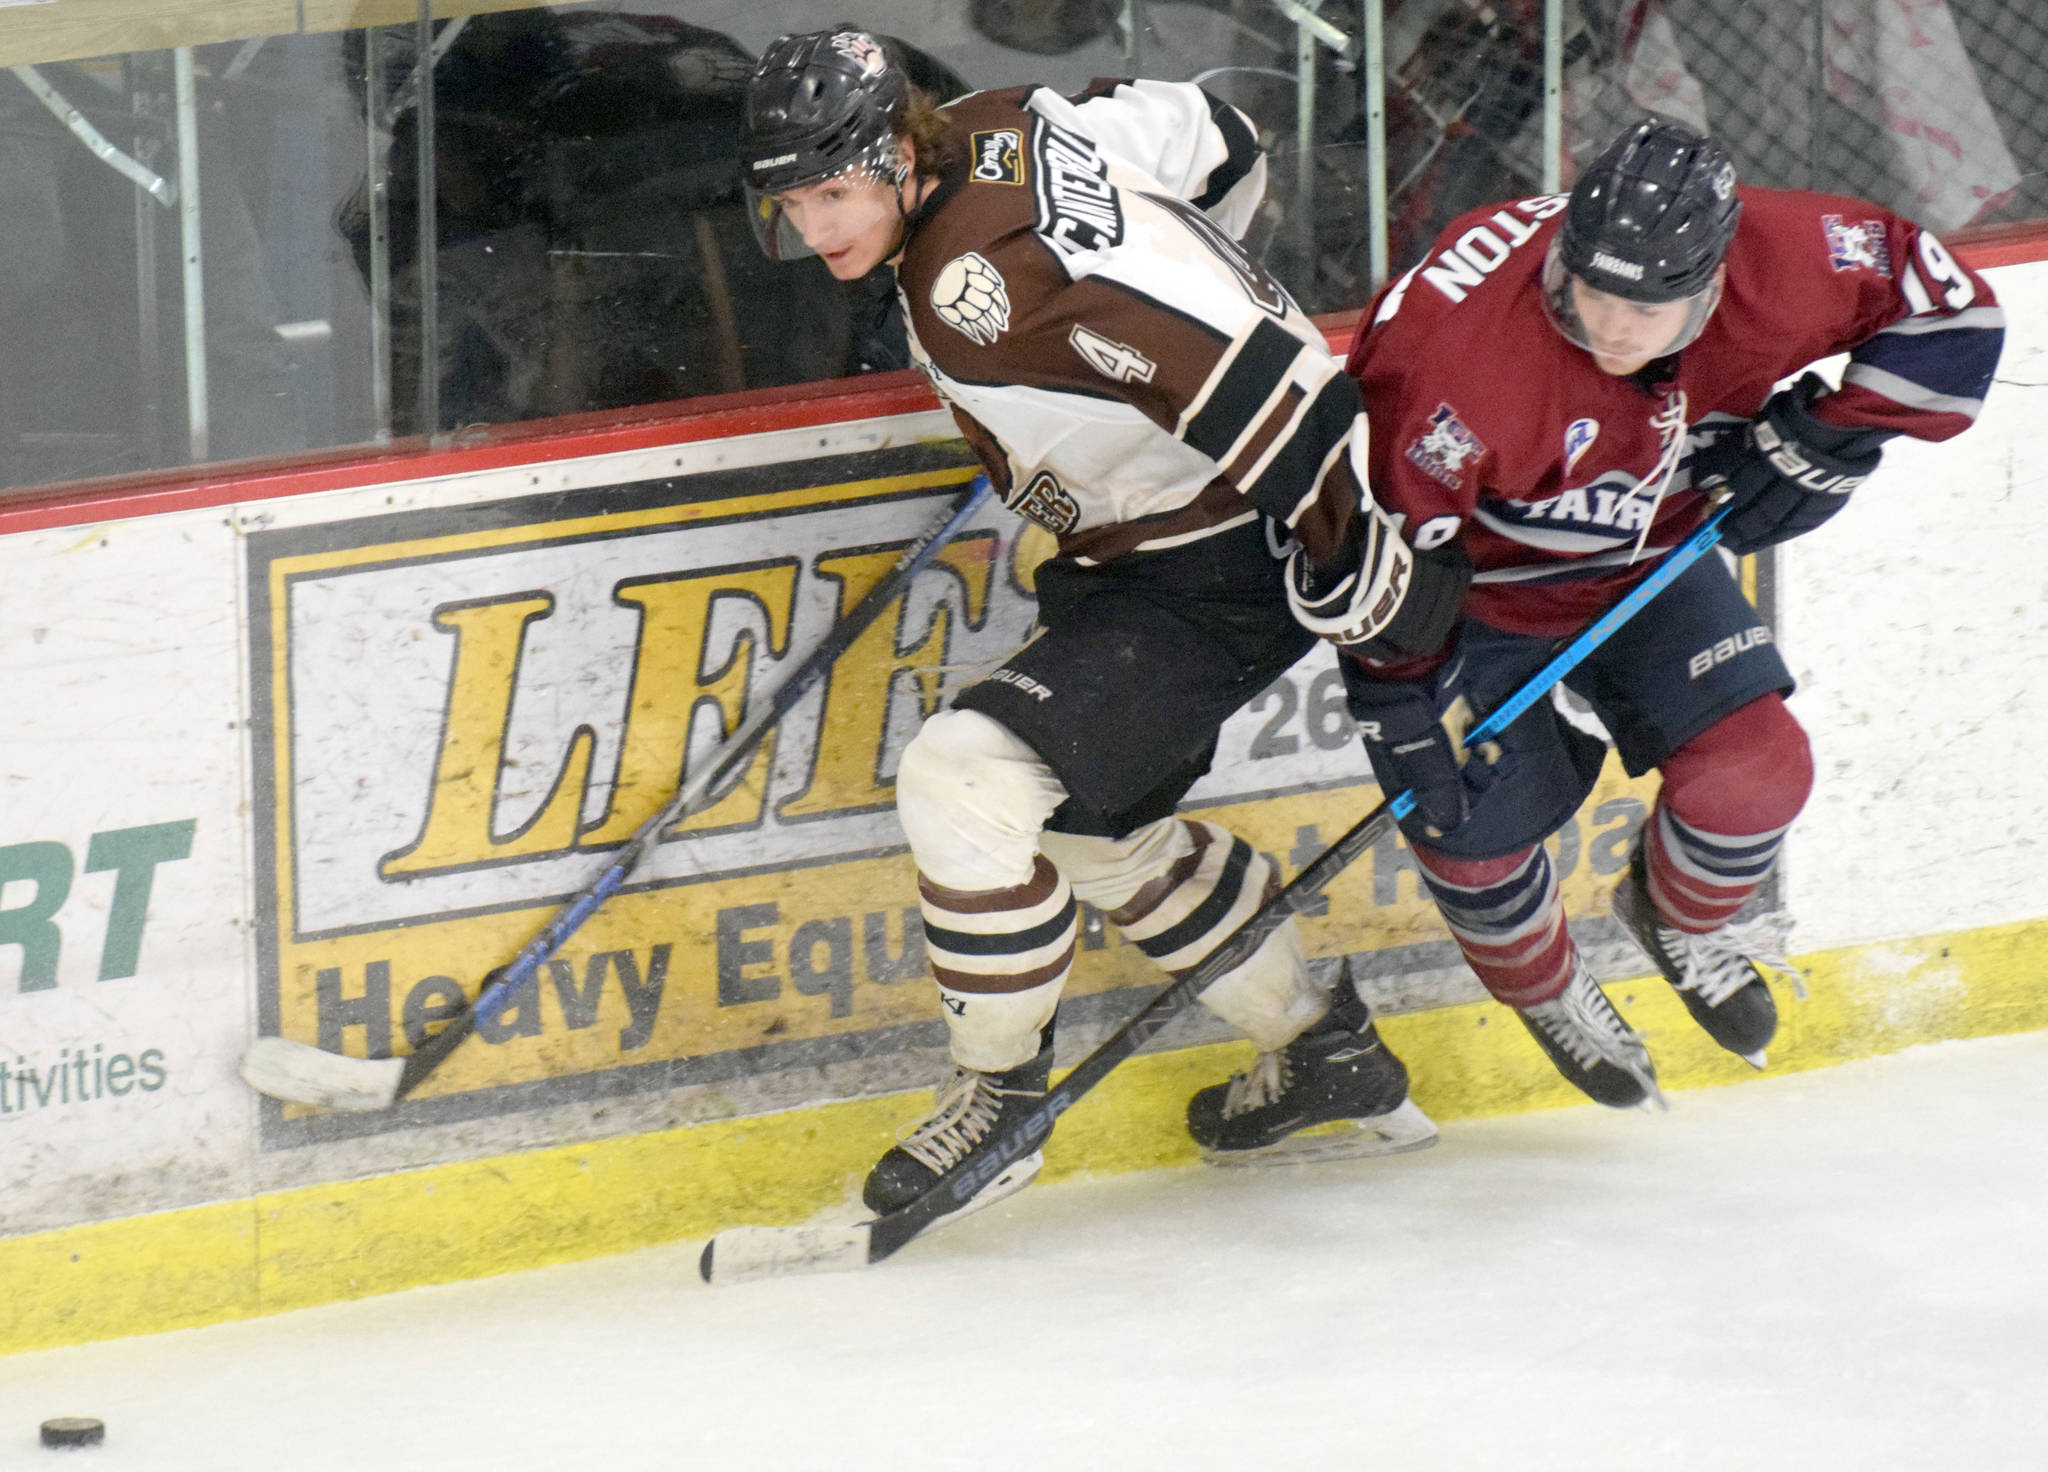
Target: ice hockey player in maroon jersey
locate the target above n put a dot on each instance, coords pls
(1136, 384)
(1563, 388)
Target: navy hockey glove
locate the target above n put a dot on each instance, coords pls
(1420, 746)
(1785, 472)
(1378, 596)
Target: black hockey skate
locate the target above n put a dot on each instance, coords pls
(1599, 1054)
(1719, 976)
(1338, 1074)
(968, 1114)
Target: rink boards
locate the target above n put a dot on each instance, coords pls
(309, 751)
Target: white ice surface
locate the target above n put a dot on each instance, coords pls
(1845, 1271)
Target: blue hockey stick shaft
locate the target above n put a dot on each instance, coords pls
(1676, 561)
(893, 1229)
(738, 749)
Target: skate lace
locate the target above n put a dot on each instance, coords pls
(1583, 1022)
(967, 1107)
(1722, 962)
(1266, 1080)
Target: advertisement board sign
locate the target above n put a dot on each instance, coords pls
(459, 714)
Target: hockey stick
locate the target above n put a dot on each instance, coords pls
(740, 1254)
(302, 1074)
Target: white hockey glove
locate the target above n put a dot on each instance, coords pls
(1379, 596)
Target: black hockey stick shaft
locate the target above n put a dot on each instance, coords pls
(738, 749)
(893, 1229)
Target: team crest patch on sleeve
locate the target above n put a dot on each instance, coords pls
(1578, 438)
(1442, 452)
(998, 156)
(1861, 245)
(969, 297)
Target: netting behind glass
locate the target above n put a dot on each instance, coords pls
(586, 249)
(1938, 110)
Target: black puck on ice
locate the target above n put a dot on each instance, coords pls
(73, 1431)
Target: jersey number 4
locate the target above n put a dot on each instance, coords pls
(1117, 361)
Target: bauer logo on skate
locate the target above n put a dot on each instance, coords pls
(464, 715)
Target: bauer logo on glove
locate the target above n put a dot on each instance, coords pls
(1786, 458)
(1786, 472)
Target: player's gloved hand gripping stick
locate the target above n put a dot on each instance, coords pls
(742, 1253)
(302, 1074)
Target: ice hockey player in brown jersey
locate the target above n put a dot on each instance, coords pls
(1139, 386)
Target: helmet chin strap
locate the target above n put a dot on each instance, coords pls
(904, 175)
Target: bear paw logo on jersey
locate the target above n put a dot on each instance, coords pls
(1047, 502)
(1442, 452)
(998, 156)
(969, 297)
(1862, 245)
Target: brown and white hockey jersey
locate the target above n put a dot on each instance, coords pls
(1129, 375)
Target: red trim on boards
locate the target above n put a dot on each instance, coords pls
(537, 442)
(2001, 245)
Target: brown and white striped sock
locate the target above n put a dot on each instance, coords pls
(1001, 957)
(1179, 918)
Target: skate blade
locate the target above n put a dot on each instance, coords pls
(1015, 1178)
(1398, 1131)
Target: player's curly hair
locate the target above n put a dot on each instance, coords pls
(931, 133)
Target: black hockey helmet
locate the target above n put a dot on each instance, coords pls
(1649, 221)
(1651, 217)
(820, 105)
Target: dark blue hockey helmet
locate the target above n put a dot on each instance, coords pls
(1651, 218)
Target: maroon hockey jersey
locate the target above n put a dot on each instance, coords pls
(1488, 425)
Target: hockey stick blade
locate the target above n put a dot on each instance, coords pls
(300, 1074)
(744, 1254)
(748, 1254)
(304, 1074)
